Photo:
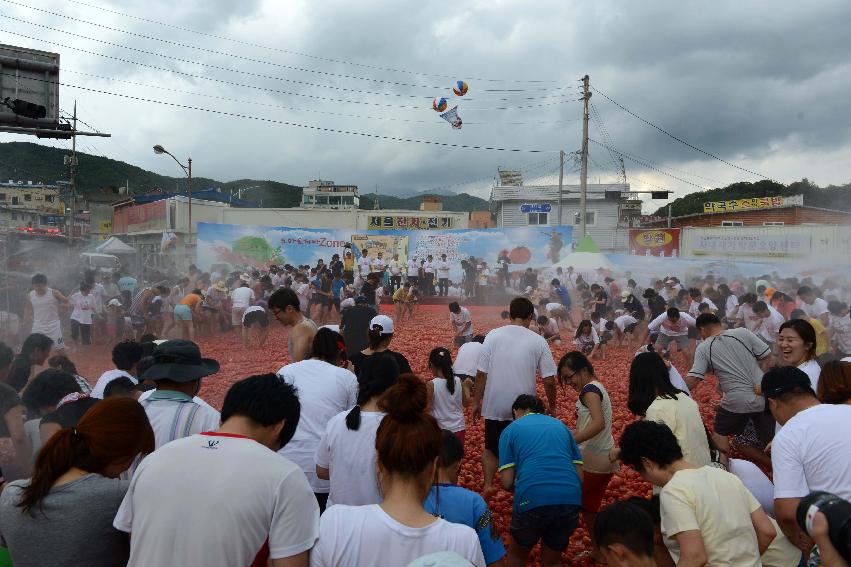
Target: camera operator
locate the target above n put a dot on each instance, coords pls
(826, 518)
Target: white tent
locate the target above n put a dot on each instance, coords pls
(113, 245)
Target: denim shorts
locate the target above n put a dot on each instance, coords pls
(182, 312)
(551, 524)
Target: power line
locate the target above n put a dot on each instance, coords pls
(298, 53)
(305, 126)
(441, 123)
(258, 75)
(645, 164)
(680, 140)
(267, 89)
(255, 60)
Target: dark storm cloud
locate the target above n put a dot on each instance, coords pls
(762, 83)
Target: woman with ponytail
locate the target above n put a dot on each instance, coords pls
(399, 530)
(346, 452)
(64, 513)
(380, 335)
(325, 388)
(447, 394)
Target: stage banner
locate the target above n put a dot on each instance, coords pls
(241, 245)
(662, 242)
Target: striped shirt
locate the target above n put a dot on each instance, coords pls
(174, 415)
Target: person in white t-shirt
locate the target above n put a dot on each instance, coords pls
(462, 323)
(241, 298)
(467, 358)
(346, 451)
(448, 395)
(796, 343)
(840, 328)
(622, 326)
(125, 356)
(673, 327)
(413, 270)
(812, 451)
(696, 299)
(399, 530)
(364, 263)
(508, 363)
(442, 269)
(177, 371)
(813, 306)
(224, 498)
(84, 305)
(769, 324)
(42, 309)
(325, 389)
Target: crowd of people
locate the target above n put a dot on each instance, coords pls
(345, 457)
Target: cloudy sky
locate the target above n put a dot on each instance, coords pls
(763, 85)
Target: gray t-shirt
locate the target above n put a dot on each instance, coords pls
(733, 356)
(72, 525)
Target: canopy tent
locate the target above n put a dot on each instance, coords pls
(113, 245)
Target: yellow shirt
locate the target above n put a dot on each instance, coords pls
(682, 416)
(717, 504)
(781, 552)
(821, 336)
(402, 294)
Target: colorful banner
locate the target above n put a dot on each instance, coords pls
(753, 203)
(241, 245)
(663, 242)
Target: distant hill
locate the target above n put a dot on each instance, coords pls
(832, 197)
(25, 161)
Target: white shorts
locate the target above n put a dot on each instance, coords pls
(52, 330)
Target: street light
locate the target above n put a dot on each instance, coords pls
(187, 169)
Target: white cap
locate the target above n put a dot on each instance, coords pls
(245, 277)
(528, 289)
(383, 321)
(846, 359)
(348, 302)
(114, 303)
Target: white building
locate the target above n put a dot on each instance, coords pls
(611, 210)
(327, 194)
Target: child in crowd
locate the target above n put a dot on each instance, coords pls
(587, 340)
(548, 328)
(458, 505)
(447, 394)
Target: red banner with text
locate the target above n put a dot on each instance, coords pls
(664, 242)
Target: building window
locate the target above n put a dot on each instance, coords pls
(49, 198)
(773, 223)
(590, 220)
(14, 216)
(2, 196)
(537, 218)
(28, 197)
(15, 200)
(732, 223)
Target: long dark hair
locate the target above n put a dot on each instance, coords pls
(582, 324)
(648, 380)
(112, 431)
(328, 345)
(376, 337)
(441, 359)
(377, 373)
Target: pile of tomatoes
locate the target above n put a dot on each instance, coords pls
(415, 338)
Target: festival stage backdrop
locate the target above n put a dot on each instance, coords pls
(241, 245)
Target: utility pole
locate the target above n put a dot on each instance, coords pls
(72, 197)
(560, 181)
(189, 175)
(583, 176)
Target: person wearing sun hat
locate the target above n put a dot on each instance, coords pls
(177, 371)
(380, 334)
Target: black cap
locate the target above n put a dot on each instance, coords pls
(361, 299)
(179, 360)
(649, 293)
(781, 380)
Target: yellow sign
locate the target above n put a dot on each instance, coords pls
(753, 203)
(396, 222)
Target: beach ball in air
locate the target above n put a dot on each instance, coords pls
(439, 104)
(460, 88)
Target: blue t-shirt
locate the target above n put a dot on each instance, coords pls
(563, 295)
(336, 286)
(128, 283)
(544, 453)
(461, 506)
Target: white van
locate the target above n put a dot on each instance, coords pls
(103, 263)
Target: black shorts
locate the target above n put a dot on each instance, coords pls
(630, 328)
(256, 317)
(81, 331)
(414, 280)
(692, 333)
(729, 423)
(552, 524)
(493, 429)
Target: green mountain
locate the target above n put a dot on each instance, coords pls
(831, 197)
(25, 161)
